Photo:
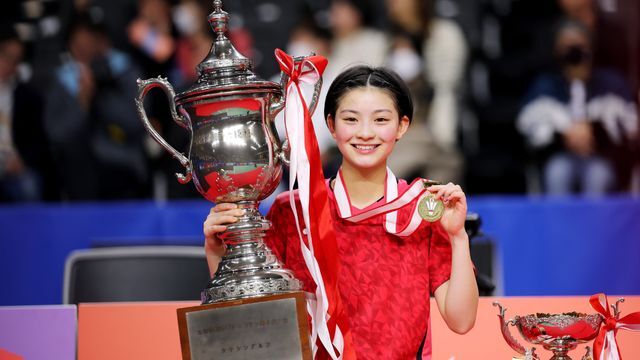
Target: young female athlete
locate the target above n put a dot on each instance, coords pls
(385, 280)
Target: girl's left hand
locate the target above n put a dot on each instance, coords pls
(455, 206)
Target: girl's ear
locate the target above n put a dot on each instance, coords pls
(403, 127)
(331, 124)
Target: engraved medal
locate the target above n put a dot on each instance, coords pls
(429, 208)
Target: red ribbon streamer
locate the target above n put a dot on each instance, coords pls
(321, 223)
(611, 323)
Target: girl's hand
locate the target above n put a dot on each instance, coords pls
(221, 214)
(455, 207)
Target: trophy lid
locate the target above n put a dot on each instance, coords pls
(224, 68)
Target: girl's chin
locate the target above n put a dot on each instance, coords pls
(367, 164)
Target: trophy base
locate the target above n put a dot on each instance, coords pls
(283, 283)
(266, 327)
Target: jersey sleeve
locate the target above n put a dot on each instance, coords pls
(439, 257)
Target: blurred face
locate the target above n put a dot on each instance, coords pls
(366, 127)
(581, 10)
(344, 18)
(573, 47)
(84, 45)
(401, 11)
(10, 58)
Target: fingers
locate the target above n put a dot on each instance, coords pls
(447, 193)
(219, 216)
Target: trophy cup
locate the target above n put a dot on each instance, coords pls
(252, 307)
(558, 333)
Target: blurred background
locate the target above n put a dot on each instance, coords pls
(530, 105)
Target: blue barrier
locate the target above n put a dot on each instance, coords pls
(564, 246)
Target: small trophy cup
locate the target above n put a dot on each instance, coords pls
(559, 333)
(253, 307)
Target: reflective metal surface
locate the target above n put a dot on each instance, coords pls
(235, 155)
(558, 333)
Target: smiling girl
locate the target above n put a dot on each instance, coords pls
(386, 276)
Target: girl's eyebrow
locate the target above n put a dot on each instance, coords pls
(357, 112)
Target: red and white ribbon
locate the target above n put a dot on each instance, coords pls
(318, 242)
(393, 202)
(605, 347)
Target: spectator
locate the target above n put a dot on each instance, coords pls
(194, 41)
(25, 166)
(580, 120)
(91, 118)
(430, 54)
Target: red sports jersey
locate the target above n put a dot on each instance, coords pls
(384, 280)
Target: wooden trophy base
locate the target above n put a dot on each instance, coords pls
(266, 327)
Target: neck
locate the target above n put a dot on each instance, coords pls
(365, 186)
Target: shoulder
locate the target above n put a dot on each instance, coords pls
(610, 81)
(548, 84)
(445, 30)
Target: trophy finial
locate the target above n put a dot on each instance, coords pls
(219, 19)
(224, 60)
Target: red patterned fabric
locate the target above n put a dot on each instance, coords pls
(385, 281)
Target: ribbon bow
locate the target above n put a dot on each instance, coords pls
(318, 242)
(606, 347)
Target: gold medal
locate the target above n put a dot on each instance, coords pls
(430, 209)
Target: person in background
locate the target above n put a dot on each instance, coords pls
(580, 120)
(97, 138)
(25, 164)
(151, 34)
(194, 41)
(430, 54)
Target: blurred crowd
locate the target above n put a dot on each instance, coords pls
(512, 96)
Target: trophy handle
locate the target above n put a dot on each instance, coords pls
(283, 152)
(513, 343)
(284, 78)
(616, 308)
(144, 86)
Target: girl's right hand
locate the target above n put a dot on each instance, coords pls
(219, 216)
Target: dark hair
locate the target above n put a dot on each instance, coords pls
(363, 76)
(566, 24)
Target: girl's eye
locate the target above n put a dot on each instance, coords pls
(382, 120)
(350, 119)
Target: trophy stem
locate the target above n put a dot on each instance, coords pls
(248, 268)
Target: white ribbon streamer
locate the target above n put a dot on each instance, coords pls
(300, 170)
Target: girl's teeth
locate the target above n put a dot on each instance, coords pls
(365, 147)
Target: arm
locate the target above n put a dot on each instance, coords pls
(457, 298)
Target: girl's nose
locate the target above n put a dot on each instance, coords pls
(365, 130)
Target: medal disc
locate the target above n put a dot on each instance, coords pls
(430, 209)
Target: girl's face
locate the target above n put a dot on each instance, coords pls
(366, 127)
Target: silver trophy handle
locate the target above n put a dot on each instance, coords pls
(278, 105)
(530, 354)
(284, 78)
(616, 308)
(144, 86)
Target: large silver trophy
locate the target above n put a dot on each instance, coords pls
(235, 156)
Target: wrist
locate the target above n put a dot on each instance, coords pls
(459, 237)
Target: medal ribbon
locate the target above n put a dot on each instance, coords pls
(318, 242)
(605, 347)
(393, 202)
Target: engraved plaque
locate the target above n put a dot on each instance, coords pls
(271, 327)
